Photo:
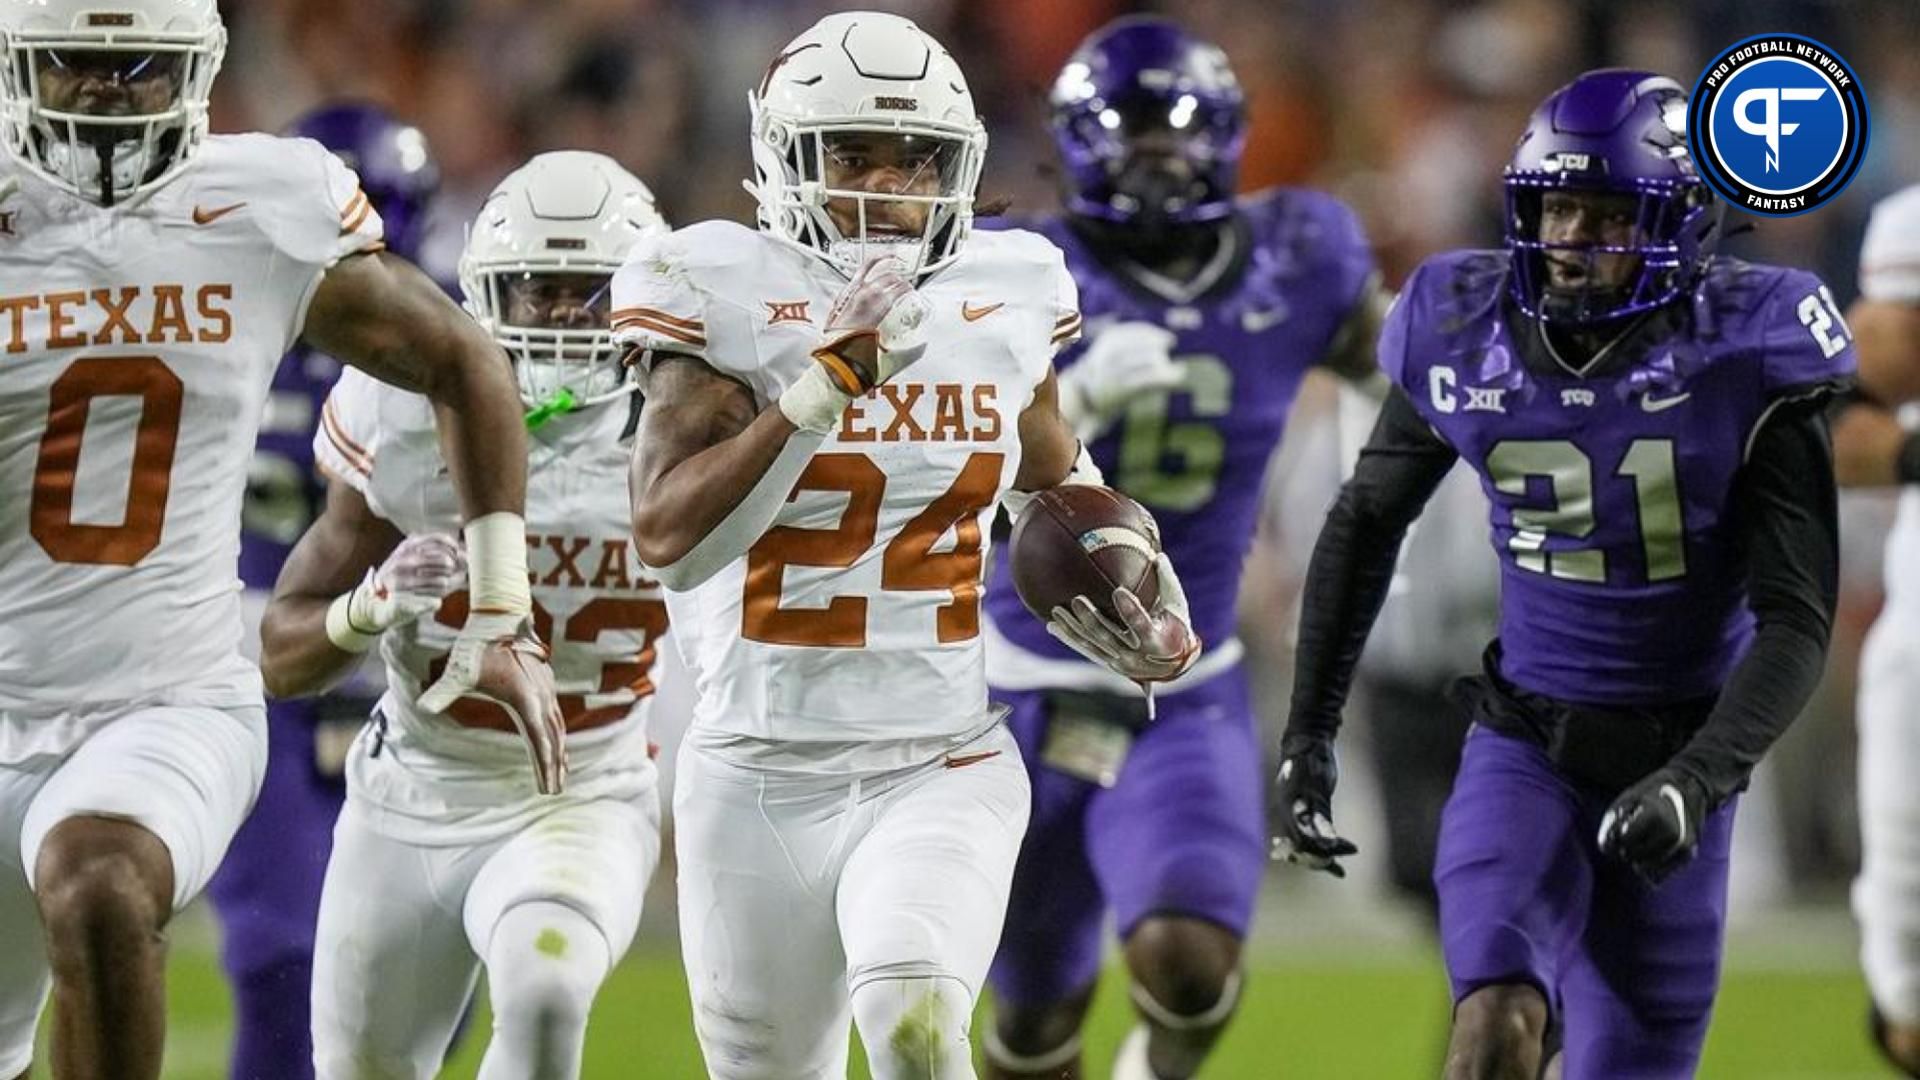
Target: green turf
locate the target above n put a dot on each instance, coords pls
(1308, 1021)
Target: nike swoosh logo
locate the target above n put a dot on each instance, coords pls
(975, 314)
(1649, 403)
(208, 217)
(961, 761)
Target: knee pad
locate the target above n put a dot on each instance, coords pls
(545, 963)
(915, 1028)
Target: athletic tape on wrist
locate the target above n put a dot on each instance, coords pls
(813, 403)
(497, 564)
(340, 628)
(1084, 471)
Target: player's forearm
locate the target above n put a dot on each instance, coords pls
(707, 510)
(1870, 448)
(1351, 570)
(482, 434)
(1791, 511)
(297, 658)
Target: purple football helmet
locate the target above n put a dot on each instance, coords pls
(1620, 133)
(396, 170)
(1150, 122)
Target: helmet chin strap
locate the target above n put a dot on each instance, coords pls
(558, 403)
(104, 151)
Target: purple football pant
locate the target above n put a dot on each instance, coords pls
(1181, 832)
(1629, 970)
(267, 895)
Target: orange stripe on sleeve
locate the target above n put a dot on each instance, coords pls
(656, 314)
(645, 323)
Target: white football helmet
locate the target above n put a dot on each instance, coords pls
(874, 74)
(552, 234)
(158, 56)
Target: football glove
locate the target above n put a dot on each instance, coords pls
(1654, 826)
(1301, 812)
(412, 581)
(1124, 360)
(875, 328)
(499, 658)
(1145, 646)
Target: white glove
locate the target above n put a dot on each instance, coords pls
(1150, 647)
(412, 581)
(1125, 360)
(875, 328)
(499, 658)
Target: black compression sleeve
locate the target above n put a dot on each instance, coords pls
(1788, 507)
(1352, 566)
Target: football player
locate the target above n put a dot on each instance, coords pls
(837, 403)
(155, 275)
(1647, 422)
(446, 855)
(1872, 448)
(1204, 311)
(267, 892)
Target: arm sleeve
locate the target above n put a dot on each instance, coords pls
(1352, 566)
(345, 442)
(1788, 507)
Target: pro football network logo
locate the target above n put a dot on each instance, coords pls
(1778, 124)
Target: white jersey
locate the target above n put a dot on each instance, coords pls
(593, 603)
(856, 617)
(1890, 271)
(140, 342)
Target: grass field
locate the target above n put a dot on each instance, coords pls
(1316, 1017)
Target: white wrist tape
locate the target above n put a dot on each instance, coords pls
(340, 628)
(1084, 471)
(497, 564)
(812, 402)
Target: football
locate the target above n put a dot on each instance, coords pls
(1081, 540)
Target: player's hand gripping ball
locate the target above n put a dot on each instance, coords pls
(1087, 560)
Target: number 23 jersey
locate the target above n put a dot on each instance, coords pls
(1612, 497)
(856, 616)
(139, 345)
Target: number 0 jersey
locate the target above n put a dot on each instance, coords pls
(1611, 495)
(593, 604)
(140, 341)
(857, 615)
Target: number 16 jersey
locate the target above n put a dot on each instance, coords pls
(856, 616)
(1612, 490)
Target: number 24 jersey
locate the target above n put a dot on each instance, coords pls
(857, 615)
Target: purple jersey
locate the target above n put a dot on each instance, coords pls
(1197, 456)
(1623, 564)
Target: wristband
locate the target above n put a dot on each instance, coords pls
(340, 628)
(497, 564)
(814, 402)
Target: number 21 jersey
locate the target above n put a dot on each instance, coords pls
(1613, 491)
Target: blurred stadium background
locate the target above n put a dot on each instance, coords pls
(1406, 108)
